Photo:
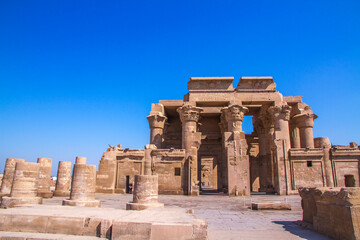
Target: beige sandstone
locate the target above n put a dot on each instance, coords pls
(83, 185)
(146, 186)
(44, 177)
(24, 187)
(332, 211)
(63, 181)
(202, 148)
(8, 176)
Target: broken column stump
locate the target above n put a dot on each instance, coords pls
(146, 186)
(8, 176)
(63, 181)
(83, 185)
(24, 188)
(44, 177)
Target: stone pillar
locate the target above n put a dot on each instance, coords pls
(63, 181)
(268, 123)
(189, 116)
(305, 122)
(295, 135)
(281, 114)
(156, 123)
(9, 175)
(146, 186)
(262, 153)
(238, 165)
(324, 143)
(25, 185)
(1, 178)
(44, 177)
(83, 185)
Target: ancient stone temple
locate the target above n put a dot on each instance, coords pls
(201, 145)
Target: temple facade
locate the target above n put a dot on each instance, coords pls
(201, 147)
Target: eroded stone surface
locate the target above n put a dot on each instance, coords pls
(63, 181)
(332, 211)
(24, 187)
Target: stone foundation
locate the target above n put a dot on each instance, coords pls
(107, 223)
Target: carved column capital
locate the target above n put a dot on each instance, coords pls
(189, 113)
(280, 111)
(304, 120)
(234, 112)
(156, 121)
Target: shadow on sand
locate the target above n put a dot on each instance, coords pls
(299, 231)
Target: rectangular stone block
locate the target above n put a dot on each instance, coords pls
(167, 231)
(24, 223)
(65, 225)
(130, 230)
(270, 206)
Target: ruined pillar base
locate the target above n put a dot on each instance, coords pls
(61, 193)
(143, 206)
(78, 203)
(45, 194)
(10, 202)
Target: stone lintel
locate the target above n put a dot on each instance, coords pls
(256, 83)
(171, 103)
(293, 99)
(302, 152)
(211, 83)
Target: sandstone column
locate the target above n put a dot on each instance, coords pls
(9, 175)
(238, 165)
(324, 143)
(305, 122)
(156, 123)
(44, 177)
(63, 181)
(189, 116)
(146, 186)
(25, 185)
(295, 135)
(258, 126)
(281, 114)
(268, 123)
(83, 185)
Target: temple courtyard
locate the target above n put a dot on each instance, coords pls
(227, 217)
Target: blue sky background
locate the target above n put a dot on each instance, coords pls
(78, 75)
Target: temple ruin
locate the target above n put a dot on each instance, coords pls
(201, 145)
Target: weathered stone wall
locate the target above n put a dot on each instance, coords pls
(307, 168)
(346, 162)
(332, 211)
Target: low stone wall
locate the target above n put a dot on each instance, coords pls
(334, 212)
(170, 223)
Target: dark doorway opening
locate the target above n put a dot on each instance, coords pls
(128, 187)
(349, 181)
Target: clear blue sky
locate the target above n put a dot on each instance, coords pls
(78, 75)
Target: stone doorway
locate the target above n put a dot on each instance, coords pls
(208, 173)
